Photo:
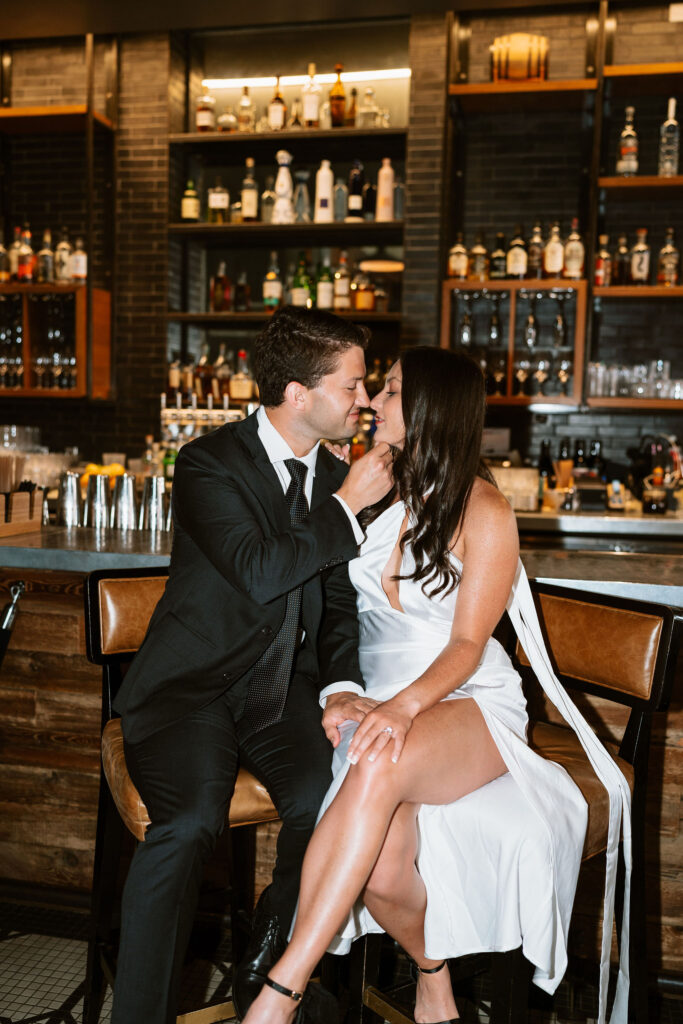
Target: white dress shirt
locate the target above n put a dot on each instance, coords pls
(277, 451)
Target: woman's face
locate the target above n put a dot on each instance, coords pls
(388, 411)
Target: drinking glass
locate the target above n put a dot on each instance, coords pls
(565, 369)
(465, 332)
(541, 372)
(97, 501)
(522, 370)
(498, 366)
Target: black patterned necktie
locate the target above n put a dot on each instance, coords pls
(270, 680)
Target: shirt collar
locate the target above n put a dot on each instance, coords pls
(277, 448)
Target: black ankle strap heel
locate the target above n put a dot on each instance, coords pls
(431, 970)
(290, 993)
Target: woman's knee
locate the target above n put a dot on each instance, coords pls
(378, 781)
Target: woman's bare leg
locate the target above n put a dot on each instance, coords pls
(449, 752)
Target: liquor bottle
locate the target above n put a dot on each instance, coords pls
(602, 274)
(354, 210)
(640, 258)
(79, 263)
(553, 254)
(283, 211)
(227, 122)
(13, 255)
(205, 118)
(627, 163)
(249, 193)
(242, 382)
(218, 200)
(478, 261)
(341, 199)
(350, 115)
(277, 109)
(170, 456)
(189, 204)
(546, 471)
(220, 291)
(369, 201)
(311, 94)
(272, 285)
(368, 115)
(186, 383)
(385, 192)
(516, 258)
(297, 118)
(364, 294)
(324, 293)
(534, 268)
(268, 200)
(621, 267)
(245, 112)
(342, 284)
(574, 253)
(4, 263)
(669, 142)
(26, 258)
(242, 293)
(203, 374)
(46, 260)
(301, 293)
(302, 199)
(338, 99)
(497, 262)
(63, 258)
(222, 372)
(457, 259)
(324, 187)
(668, 262)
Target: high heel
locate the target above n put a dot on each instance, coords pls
(290, 993)
(432, 970)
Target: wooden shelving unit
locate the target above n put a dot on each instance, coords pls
(645, 291)
(641, 404)
(639, 79)
(640, 184)
(477, 97)
(50, 119)
(282, 234)
(288, 136)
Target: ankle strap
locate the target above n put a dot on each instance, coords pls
(296, 996)
(431, 970)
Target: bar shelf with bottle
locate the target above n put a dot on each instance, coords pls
(634, 291)
(655, 78)
(395, 137)
(641, 184)
(478, 97)
(267, 234)
(643, 404)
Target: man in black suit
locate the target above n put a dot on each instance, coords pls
(255, 631)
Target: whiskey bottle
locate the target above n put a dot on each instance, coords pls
(478, 261)
(79, 263)
(242, 293)
(277, 110)
(457, 259)
(354, 210)
(535, 253)
(668, 262)
(218, 202)
(516, 259)
(553, 254)
(640, 258)
(245, 112)
(627, 163)
(338, 99)
(272, 285)
(621, 267)
(574, 253)
(268, 198)
(497, 263)
(222, 372)
(364, 294)
(311, 97)
(242, 382)
(220, 290)
(203, 374)
(669, 142)
(602, 275)
(301, 285)
(63, 258)
(324, 293)
(189, 204)
(205, 118)
(46, 260)
(350, 115)
(13, 255)
(342, 284)
(369, 201)
(25, 259)
(249, 193)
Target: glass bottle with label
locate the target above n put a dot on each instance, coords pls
(368, 112)
(218, 203)
(222, 372)
(26, 258)
(242, 298)
(535, 253)
(498, 262)
(79, 263)
(516, 259)
(640, 258)
(341, 199)
(668, 262)
(627, 162)
(369, 201)
(354, 210)
(242, 382)
(338, 99)
(203, 374)
(350, 115)
(553, 254)
(245, 112)
(324, 193)
(324, 294)
(272, 284)
(478, 261)
(63, 258)
(4, 263)
(173, 385)
(342, 285)
(268, 200)
(602, 276)
(301, 293)
(669, 143)
(249, 193)
(277, 109)
(189, 204)
(311, 98)
(574, 253)
(205, 118)
(385, 191)
(46, 260)
(621, 266)
(227, 122)
(457, 259)
(364, 293)
(220, 290)
(13, 255)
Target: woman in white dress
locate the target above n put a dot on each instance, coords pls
(441, 826)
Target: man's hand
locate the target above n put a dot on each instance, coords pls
(369, 479)
(344, 707)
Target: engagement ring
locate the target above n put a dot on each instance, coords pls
(388, 729)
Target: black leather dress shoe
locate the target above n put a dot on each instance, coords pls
(265, 947)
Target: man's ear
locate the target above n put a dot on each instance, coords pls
(295, 395)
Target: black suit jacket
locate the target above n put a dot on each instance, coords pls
(235, 557)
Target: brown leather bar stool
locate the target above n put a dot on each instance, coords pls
(118, 607)
(623, 651)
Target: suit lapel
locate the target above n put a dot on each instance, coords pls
(328, 477)
(264, 481)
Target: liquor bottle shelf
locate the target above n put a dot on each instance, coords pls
(531, 400)
(476, 97)
(639, 79)
(260, 316)
(56, 119)
(39, 289)
(640, 184)
(644, 404)
(645, 291)
(527, 284)
(262, 234)
(249, 139)
(44, 393)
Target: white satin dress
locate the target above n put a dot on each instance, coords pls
(500, 865)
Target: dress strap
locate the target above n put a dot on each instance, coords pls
(524, 618)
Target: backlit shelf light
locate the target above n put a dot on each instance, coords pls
(391, 74)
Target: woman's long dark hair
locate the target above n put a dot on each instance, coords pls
(444, 404)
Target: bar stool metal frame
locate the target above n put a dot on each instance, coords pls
(591, 638)
(113, 649)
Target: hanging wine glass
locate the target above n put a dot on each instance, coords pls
(565, 369)
(522, 370)
(531, 326)
(465, 331)
(498, 369)
(541, 373)
(559, 325)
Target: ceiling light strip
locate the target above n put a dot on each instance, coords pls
(391, 74)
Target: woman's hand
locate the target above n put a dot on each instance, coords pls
(390, 722)
(340, 451)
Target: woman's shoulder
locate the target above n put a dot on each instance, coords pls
(487, 502)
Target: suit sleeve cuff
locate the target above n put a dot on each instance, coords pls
(355, 526)
(343, 687)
